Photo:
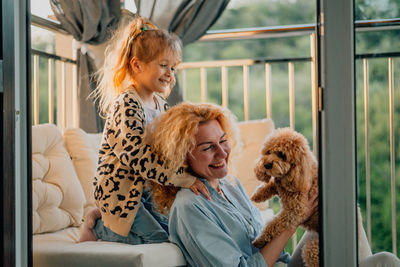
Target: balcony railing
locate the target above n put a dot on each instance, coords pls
(391, 101)
(223, 67)
(61, 98)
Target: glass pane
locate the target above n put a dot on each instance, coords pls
(377, 124)
(42, 9)
(261, 13)
(370, 9)
(42, 39)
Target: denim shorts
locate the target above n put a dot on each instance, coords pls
(145, 230)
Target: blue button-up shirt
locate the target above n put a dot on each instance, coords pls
(217, 232)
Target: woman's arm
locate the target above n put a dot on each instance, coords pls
(272, 250)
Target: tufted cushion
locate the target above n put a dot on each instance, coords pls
(57, 197)
(252, 134)
(83, 149)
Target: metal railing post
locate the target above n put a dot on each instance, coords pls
(35, 90)
(184, 88)
(224, 84)
(314, 94)
(203, 84)
(392, 155)
(245, 92)
(367, 151)
(75, 100)
(63, 96)
(268, 93)
(291, 94)
(50, 88)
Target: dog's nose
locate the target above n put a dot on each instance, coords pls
(268, 166)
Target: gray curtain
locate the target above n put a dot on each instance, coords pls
(189, 19)
(90, 22)
(194, 17)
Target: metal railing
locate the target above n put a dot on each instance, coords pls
(245, 64)
(61, 75)
(365, 59)
(52, 60)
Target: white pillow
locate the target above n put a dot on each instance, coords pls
(252, 134)
(83, 149)
(57, 197)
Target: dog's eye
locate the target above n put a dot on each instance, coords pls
(268, 152)
(282, 155)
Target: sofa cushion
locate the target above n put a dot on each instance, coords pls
(57, 197)
(83, 149)
(60, 249)
(252, 135)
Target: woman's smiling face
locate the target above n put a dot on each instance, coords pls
(209, 158)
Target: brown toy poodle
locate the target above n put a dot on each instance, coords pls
(289, 170)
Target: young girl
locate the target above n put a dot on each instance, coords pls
(139, 65)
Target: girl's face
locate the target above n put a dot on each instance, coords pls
(155, 76)
(209, 158)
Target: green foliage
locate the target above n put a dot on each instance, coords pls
(261, 13)
(372, 9)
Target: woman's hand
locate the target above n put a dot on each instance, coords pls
(198, 187)
(311, 206)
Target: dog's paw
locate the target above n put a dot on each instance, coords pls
(256, 198)
(253, 198)
(259, 243)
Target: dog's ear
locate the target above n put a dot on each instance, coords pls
(299, 178)
(304, 170)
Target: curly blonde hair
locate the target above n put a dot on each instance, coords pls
(172, 136)
(140, 39)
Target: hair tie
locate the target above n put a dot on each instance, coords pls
(144, 28)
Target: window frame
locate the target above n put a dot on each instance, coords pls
(337, 153)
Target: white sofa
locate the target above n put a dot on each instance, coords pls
(63, 168)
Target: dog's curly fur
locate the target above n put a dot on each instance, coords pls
(289, 170)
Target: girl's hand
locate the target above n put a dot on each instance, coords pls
(198, 187)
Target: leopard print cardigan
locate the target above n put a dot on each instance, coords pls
(125, 162)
